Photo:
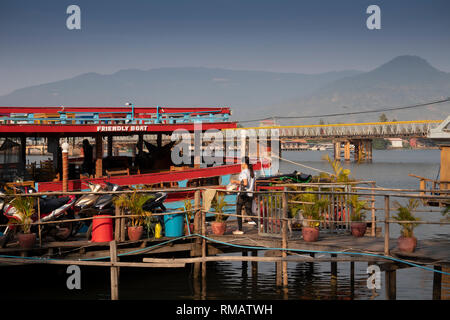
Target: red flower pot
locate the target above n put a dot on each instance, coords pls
(26, 240)
(407, 244)
(310, 234)
(135, 233)
(358, 229)
(218, 228)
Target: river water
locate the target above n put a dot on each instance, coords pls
(227, 280)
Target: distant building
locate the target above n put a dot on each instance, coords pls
(396, 142)
(267, 123)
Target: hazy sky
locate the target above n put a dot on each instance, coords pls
(288, 36)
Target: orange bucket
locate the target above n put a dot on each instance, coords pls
(102, 230)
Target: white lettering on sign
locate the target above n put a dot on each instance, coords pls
(121, 128)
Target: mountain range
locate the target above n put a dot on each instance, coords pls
(405, 80)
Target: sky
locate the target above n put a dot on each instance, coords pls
(311, 36)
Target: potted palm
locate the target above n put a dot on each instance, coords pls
(25, 210)
(311, 208)
(219, 226)
(407, 242)
(133, 203)
(357, 227)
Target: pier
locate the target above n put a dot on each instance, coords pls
(275, 239)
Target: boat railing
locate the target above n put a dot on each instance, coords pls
(135, 116)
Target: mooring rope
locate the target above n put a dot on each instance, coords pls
(302, 165)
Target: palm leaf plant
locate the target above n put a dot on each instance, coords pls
(25, 210)
(359, 208)
(405, 213)
(219, 205)
(133, 204)
(311, 207)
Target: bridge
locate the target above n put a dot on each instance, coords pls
(358, 134)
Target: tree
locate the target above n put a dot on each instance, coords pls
(383, 118)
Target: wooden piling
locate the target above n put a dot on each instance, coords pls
(391, 284)
(284, 243)
(244, 263)
(204, 247)
(279, 279)
(352, 279)
(437, 283)
(114, 271)
(254, 264)
(386, 225)
(197, 226)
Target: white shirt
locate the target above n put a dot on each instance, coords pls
(245, 174)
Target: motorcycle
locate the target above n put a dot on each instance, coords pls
(50, 209)
(93, 204)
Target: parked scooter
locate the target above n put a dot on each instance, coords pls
(93, 205)
(50, 209)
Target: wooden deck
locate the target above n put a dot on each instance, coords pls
(430, 252)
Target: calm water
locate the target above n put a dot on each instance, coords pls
(235, 280)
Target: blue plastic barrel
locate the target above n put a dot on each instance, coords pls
(173, 225)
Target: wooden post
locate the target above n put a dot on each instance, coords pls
(284, 236)
(278, 273)
(352, 279)
(386, 225)
(197, 226)
(204, 247)
(65, 166)
(117, 224)
(372, 209)
(391, 284)
(110, 146)
(334, 267)
(254, 264)
(114, 271)
(437, 283)
(122, 226)
(244, 263)
(333, 280)
(39, 219)
(99, 156)
(444, 174)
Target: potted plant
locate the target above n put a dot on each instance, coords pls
(133, 203)
(311, 208)
(357, 227)
(219, 226)
(407, 242)
(25, 210)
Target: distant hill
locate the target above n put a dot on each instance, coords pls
(403, 81)
(244, 91)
